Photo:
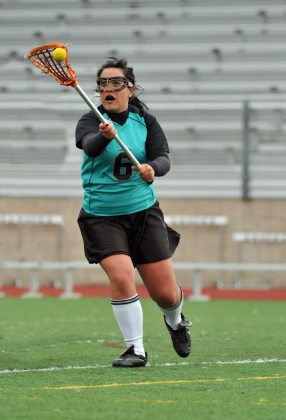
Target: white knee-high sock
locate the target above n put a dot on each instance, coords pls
(129, 316)
(173, 315)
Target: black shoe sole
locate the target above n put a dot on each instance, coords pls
(117, 363)
(129, 359)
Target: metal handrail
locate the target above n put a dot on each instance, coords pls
(69, 266)
(194, 266)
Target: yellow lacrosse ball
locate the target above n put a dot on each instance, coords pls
(59, 54)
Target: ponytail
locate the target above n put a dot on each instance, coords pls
(136, 102)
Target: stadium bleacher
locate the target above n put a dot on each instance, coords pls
(198, 61)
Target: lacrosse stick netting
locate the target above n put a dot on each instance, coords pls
(42, 57)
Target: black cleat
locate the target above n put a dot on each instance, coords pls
(129, 359)
(181, 337)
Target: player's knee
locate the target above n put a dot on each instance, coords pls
(121, 281)
(167, 299)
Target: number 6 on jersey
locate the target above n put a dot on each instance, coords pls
(122, 167)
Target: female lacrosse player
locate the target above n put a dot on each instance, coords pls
(121, 222)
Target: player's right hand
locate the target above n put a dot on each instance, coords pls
(107, 130)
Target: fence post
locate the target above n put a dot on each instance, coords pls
(68, 293)
(33, 292)
(197, 288)
(221, 252)
(1, 293)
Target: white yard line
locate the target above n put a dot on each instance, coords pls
(231, 362)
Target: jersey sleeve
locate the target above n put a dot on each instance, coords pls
(87, 124)
(161, 164)
(156, 142)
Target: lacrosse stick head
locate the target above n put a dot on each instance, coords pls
(42, 57)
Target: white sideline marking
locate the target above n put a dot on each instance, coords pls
(251, 361)
(231, 362)
(54, 368)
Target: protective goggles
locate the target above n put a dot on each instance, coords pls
(115, 83)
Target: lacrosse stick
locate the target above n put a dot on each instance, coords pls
(42, 57)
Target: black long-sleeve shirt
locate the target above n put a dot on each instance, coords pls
(94, 143)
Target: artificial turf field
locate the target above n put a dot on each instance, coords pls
(237, 368)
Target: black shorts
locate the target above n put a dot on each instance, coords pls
(143, 236)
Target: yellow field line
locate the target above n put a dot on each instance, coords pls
(258, 378)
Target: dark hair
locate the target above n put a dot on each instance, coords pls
(129, 74)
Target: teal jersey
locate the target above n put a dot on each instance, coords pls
(111, 187)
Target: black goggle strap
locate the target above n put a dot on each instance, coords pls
(113, 79)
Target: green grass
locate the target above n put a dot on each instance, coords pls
(47, 332)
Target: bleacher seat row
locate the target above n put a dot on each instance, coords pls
(198, 61)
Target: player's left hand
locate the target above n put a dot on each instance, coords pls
(146, 172)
